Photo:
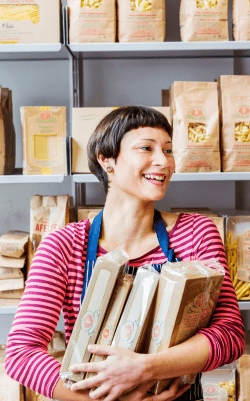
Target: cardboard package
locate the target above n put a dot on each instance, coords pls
(89, 212)
(11, 284)
(131, 330)
(241, 20)
(8, 273)
(11, 294)
(84, 122)
(29, 21)
(9, 130)
(186, 298)
(243, 376)
(10, 390)
(92, 311)
(14, 263)
(14, 244)
(220, 384)
(44, 140)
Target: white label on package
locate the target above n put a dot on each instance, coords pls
(90, 318)
(161, 317)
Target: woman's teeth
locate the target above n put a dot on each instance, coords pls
(154, 177)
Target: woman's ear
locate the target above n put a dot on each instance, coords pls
(106, 163)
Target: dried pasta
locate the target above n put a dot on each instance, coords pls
(20, 12)
(206, 4)
(230, 387)
(141, 5)
(242, 131)
(242, 288)
(94, 4)
(197, 132)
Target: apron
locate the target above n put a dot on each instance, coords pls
(195, 392)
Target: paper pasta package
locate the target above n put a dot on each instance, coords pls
(220, 384)
(204, 20)
(130, 332)
(92, 311)
(29, 21)
(241, 20)
(185, 301)
(141, 21)
(115, 309)
(44, 140)
(92, 21)
(243, 376)
(195, 122)
(14, 244)
(235, 116)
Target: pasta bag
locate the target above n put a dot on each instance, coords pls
(195, 122)
(235, 115)
(241, 20)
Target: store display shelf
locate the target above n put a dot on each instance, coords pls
(173, 49)
(244, 305)
(31, 179)
(85, 178)
(36, 51)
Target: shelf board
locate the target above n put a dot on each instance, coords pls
(8, 310)
(244, 305)
(85, 178)
(36, 51)
(151, 49)
(31, 179)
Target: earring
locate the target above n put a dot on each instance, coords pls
(109, 169)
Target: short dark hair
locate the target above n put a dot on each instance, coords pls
(107, 137)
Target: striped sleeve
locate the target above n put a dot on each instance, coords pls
(226, 331)
(27, 360)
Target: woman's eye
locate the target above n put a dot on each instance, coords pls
(145, 148)
(169, 151)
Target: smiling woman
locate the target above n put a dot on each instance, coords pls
(130, 152)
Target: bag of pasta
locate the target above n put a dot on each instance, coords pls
(204, 20)
(141, 21)
(235, 115)
(238, 254)
(241, 20)
(92, 21)
(195, 115)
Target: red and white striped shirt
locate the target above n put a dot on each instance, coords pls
(55, 282)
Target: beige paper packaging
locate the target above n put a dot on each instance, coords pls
(11, 294)
(44, 140)
(47, 214)
(9, 301)
(14, 244)
(9, 131)
(243, 375)
(14, 263)
(241, 20)
(84, 122)
(92, 311)
(114, 312)
(92, 21)
(10, 390)
(220, 383)
(29, 21)
(130, 332)
(141, 21)
(235, 114)
(189, 288)
(89, 212)
(195, 115)
(2, 139)
(204, 20)
(11, 284)
(7, 273)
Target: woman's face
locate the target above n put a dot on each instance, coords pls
(145, 164)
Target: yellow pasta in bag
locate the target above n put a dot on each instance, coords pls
(19, 12)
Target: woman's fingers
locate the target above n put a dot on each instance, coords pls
(92, 382)
(102, 349)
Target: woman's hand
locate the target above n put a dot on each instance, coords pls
(119, 374)
(140, 393)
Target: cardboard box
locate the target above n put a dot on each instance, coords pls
(29, 21)
(44, 140)
(84, 122)
(92, 311)
(89, 212)
(133, 323)
(186, 289)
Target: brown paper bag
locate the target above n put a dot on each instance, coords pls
(204, 20)
(9, 131)
(141, 21)
(92, 21)
(7, 273)
(241, 20)
(195, 114)
(235, 114)
(11, 294)
(14, 244)
(47, 214)
(2, 139)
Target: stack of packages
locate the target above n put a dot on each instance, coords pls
(44, 140)
(220, 384)
(238, 254)
(90, 212)
(86, 119)
(56, 348)
(13, 250)
(95, 21)
(211, 124)
(10, 390)
(7, 132)
(47, 214)
(29, 21)
(124, 313)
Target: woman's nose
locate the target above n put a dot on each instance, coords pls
(160, 159)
